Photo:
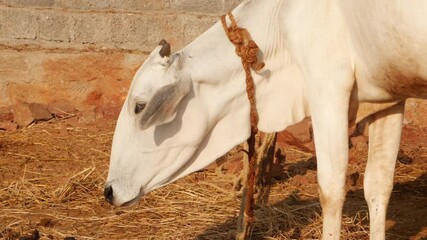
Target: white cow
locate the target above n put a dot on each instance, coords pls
(323, 59)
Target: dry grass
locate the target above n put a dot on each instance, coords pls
(52, 177)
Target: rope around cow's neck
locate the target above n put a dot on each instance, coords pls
(247, 50)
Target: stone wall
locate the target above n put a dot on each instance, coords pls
(83, 53)
(132, 24)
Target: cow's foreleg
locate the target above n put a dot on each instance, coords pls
(329, 111)
(384, 138)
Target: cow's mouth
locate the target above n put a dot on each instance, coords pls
(133, 201)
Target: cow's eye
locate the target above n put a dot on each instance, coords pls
(139, 107)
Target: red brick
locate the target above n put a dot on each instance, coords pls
(110, 112)
(234, 164)
(285, 139)
(93, 98)
(8, 126)
(62, 109)
(6, 115)
(301, 131)
(298, 135)
(354, 180)
(89, 116)
(359, 142)
(303, 180)
(27, 113)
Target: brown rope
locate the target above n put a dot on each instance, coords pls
(247, 50)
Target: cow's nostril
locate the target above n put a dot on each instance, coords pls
(108, 193)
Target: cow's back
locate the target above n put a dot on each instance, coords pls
(389, 43)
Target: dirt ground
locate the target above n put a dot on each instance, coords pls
(52, 176)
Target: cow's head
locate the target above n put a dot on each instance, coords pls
(165, 125)
(186, 109)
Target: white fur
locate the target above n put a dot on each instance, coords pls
(323, 58)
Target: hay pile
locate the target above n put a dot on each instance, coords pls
(52, 177)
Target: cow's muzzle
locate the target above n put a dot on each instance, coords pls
(109, 197)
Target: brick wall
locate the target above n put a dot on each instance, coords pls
(85, 52)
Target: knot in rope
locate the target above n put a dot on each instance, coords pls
(247, 50)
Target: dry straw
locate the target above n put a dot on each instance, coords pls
(52, 176)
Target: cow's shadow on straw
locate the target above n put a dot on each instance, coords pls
(406, 216)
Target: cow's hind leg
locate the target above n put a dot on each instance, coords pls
(384, 138)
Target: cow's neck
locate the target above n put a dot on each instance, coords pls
(214, 56)
(219, 83)
(214, 63)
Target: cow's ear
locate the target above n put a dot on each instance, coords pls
(163, 106)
